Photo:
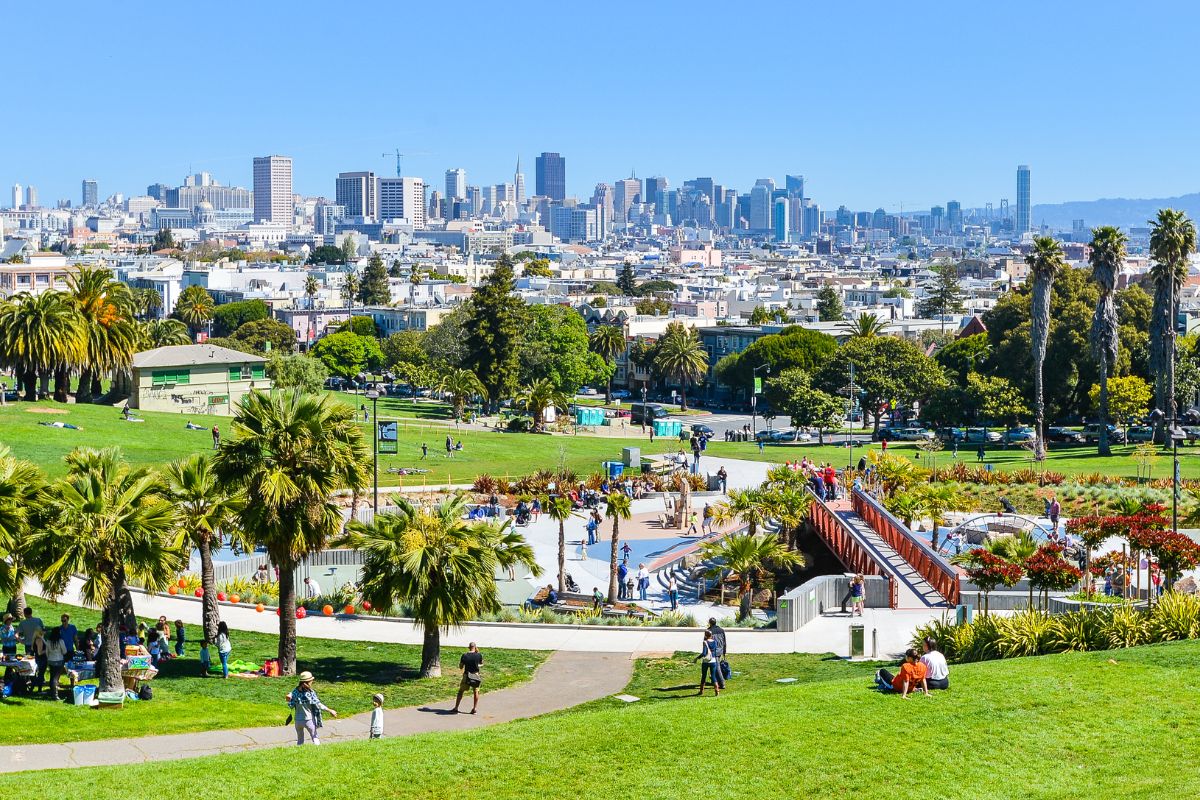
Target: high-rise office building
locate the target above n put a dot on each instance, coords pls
(653, 193)
(1024, 208)
(158, 191)
(551, 176)
(90, 194)
(18, 196)
(794, 184)
(782, 220)
(358, 193)
(760, 207)
(954, 217)
(456, 184)
(273, 201)
(519, 183)
(937, 219)
(402, 198)
(812, 218)
(626, 192)
(31, 198)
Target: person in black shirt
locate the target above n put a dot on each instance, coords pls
(472, 678)
(719, 641)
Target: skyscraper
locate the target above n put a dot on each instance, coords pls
(794, 184)
(626, 192)
(654, 192)
(31, 198)
(782, 219)
(18, 193)
(456, 184)
(358, 192)
(760, 207)
(551, 176)
(954, 218)
(519, 182)
(402, 198)
(90, 194)
(273, 200)
(1024, 209)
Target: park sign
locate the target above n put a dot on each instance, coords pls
(757, 385)
(387, 433)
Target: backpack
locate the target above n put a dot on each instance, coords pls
(145, 693)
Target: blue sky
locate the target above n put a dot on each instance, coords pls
(876, 103)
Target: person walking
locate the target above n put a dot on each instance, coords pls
(709, 664)
(981, 454)
(224, 648)
(424, 450)
(216, 434)
(723, 477)
(707, 520)
(722, 649)
(376, 716)
(449, 447)
(471, 663)
(673, 592)
(1055, 510)
(307, 708)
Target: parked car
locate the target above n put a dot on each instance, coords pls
(1091, 433)
(1141, 433)
(1057, 433)
(1022, 434)
(952, 435)
(982, 436)
(914, 434)
(888, 434)
(620, 394)
(587, 390)
(791, 436)
(702, 430)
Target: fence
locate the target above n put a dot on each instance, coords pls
(848, 547)
(941, 576)
(812, 598)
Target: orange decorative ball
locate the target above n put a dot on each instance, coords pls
(172, 590)
(260, 608)
(327, 611)
(349, 609)
(182, 584)
(233, 598)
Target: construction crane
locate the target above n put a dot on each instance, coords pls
(398, 156)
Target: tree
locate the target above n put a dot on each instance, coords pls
(208, 517)
(995, 399)
(350, 288)
(792, 393)
(681, 358)
(446, 342)
(162, 333)
(536, 268)
(865, 326)
(760, 316)
(363, 326)
(326, 254)
(751, 557)
(617, 509)
(396, 270)
(652, 306)
(461, 385)
(605, 288)
(438, 564)
(298, 371)
(987, 571)
(829, 304)
(1126, 398)
(539, 396)
(937, 500)
(1049, 572)
(194, 307)
(263, 336)
(625, 281)
(288, 454)
(22, 499)
(40, 335)
(106, 308)
(559, 509)
(747, 505)
(349, 249)
(403, 347)
(886, 370)
(1045, 262)
(1107, 257)
(373, 289)
(229, 317)
(493, 336)
(163, 240)
(113, 525)
(945, 296)
(656, 287)
(555, 347)
(792, 348)
(1172, 241)
(343, 353)
(608, 342)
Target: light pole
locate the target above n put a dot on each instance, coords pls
(753, 393)
(373, 396)
(1176, 433)
(644, 407)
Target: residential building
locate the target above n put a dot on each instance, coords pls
(273, 190)
(551, 176)
(195, 379)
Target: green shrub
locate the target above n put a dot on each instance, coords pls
(1079, 631)
(1025, 633)
(1126, 626)
(1176, 616)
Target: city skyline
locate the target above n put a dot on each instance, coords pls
(952, 121)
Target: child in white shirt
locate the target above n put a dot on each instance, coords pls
(377, 716)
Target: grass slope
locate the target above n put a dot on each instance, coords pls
(1112, 724)
(347, 673)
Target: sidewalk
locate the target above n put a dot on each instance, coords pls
(564, 680)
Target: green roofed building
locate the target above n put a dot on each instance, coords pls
(195, 379)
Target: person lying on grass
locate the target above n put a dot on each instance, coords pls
(909, 679)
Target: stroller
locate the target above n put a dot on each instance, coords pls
(572, 586)
(522, 514)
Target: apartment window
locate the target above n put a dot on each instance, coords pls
(161, 377)
(247, 372)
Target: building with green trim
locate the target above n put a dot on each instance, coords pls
(195, 379)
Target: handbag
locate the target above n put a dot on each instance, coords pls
(474, 679)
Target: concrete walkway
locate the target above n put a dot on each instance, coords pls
(564, 680)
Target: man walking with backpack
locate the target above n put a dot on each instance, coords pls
(719, 642)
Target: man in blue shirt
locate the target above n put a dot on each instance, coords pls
(622, 571)
(68, 632)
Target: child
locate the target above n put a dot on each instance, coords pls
(377, 716)
(179, 638)
(205, 661)
(154, 645)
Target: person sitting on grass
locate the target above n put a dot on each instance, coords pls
(937, 672)
(910, 678)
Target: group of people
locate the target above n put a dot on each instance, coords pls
(627, 579)
(822, 478)
(919, 672)
(51, 649)
(714, 664)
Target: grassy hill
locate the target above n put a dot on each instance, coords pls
(1112, 724)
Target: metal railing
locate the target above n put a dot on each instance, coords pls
(845, 543)
(943, 577)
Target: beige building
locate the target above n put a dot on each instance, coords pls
(40, 272)
(195, 379)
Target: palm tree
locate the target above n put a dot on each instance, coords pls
(1107, 256)
(608, 342)
(288, 454)
(210, 512)
(938, 499)
(748, 505)
(21, 497)
(617, 510)
(162, 333)
(559, 508)
(1045, 262)
(750, 556)
(789, 505)
(865, 326)
(195, 307)
(1172, 240)
(311, 287)
(146, 302)
(435, 562)
(106, 308)
(113, 525)
(40, 335)
(350, 288)
(681, 356)
(539, 396)
(461, 384)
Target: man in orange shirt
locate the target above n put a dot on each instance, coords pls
(910, 678)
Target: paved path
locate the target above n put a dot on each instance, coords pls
(913, 591)
(564, 680)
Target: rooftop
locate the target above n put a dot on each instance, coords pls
(186, 355)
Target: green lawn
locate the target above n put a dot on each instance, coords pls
(347, 673)
(1110, 724)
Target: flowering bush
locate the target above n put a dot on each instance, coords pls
(1048, 571)
(988, 570)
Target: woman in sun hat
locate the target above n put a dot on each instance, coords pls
(307, 708)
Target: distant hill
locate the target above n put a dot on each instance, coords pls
(1122, 212)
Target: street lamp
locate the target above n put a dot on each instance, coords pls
(644, 407)
(1177, 435)
(754, 394)
(373, 396)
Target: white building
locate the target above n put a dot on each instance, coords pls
(402, 199)
(273, 189)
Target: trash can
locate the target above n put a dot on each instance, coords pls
(858, 645)
(614, 468)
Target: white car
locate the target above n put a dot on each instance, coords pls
(587, 390)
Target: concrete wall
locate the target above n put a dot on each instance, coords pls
(813, 597)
